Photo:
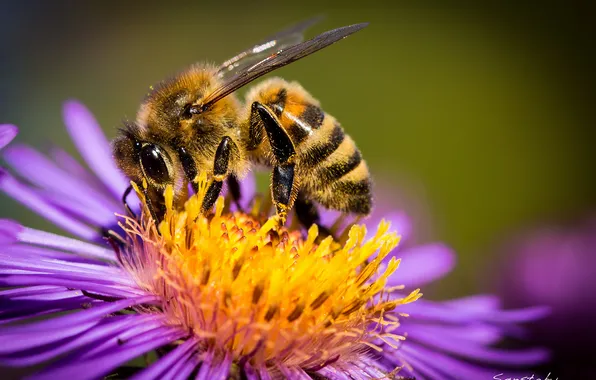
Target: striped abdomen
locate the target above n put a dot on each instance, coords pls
(329, 166)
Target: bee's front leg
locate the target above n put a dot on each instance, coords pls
(220, 172)
(283, 182)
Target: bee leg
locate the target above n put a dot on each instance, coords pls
(126, 206)
(283, 186)
(155, 210)
(220, 172)
(234, 189)
(307, 214)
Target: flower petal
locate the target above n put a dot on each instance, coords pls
(47, 239)
(478, 352)
(214, 368)
(29, 198)
(81, 317)
(422, 264)
(163, 368)
(104, 330)
(101, 365)
(43, 172)
(73, 282)
(93, 146)
(9, 230)
(7, 133)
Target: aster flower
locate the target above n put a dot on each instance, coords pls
(553, 265)
(226, 295)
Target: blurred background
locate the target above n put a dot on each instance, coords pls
(477, 117)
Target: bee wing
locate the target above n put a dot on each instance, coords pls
(276, 60)
(284, 38)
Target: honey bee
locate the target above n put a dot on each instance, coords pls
(195, 123)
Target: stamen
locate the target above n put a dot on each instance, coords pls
(253, 289)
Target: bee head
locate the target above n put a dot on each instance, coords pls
(152, 160)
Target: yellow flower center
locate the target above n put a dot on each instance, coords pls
(251, 289)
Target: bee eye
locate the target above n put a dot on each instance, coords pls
(153, 164)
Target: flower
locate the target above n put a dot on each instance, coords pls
(552, 264)
(225, 296)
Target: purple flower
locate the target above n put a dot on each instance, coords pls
(553, 265)
(222, 297)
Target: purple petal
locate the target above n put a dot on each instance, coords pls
(451, 367)
(83, 316)
(248, 189)
(82, 212)
(25, 309)
(26, 251)
(29, 291)
(528, 314)
(7, 133)
(29, 198)
(71, 165)
(332, 373)
(9, 230)
(100, 366)
(136, 333)
(478, 352)
(41, 171)
(93, 146)
(11, 341)
(214, 368)
(70, 282)
(162, 368)
(47, 239)
(422, 264)
(250, 372)
(49, 296)
(477, 302)
(264, 373)
(52, 265)
(429, 363)
(108, 328)
(43, 310)
(184, 367)
(480, 333)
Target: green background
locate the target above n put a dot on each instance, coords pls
(478, 116)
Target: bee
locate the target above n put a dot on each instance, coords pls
(194, 123)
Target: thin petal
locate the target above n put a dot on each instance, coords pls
(478, 352)
(479, 333)
(477, 302)
(47, 239)
(70, 282)
(9, 230)
(100, 366)
(449, 366)
(214, 368)
(71, 165)
(107, 329)
(422, 264)
(93, 146)
(81, 317)
(11, 341)
(31, 290)
(23, 310)
(29, 198)
(41, 171)
(162, 368)
(7, 133)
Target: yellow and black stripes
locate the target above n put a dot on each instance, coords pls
(329, 167)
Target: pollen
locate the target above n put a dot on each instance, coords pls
(248, 287)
